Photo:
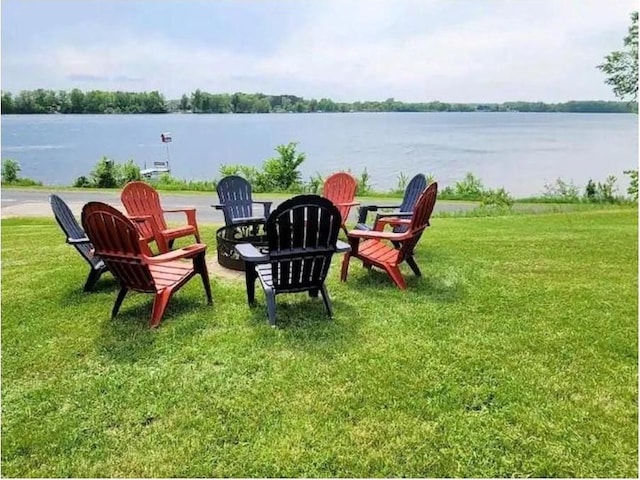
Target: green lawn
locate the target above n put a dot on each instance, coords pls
(515, 355)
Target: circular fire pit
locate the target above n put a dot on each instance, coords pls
(228, 237)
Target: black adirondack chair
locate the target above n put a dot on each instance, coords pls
(411, 194)
(77, 237)
(236, 201)
(303, 236)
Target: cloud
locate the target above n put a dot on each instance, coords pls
(411, 50)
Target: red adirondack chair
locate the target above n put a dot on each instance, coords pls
(142, 203)
(118, 243)
(340, 188)
(372, 248)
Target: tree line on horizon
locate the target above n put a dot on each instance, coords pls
(43, 101)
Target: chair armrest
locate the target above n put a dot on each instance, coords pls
(397, 214)
(375, 208)
(347, 204)
(78, 241)
(186, 252)
(249, 253)
(376, 235)
(342, 247)
(139, 218)
(263, 202)
(267, 207)
(176, 210)
(189, 212)
(218, 206)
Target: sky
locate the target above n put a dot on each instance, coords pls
(346, 50)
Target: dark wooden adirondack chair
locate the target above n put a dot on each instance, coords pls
(142, 203)
(78, 239)
(117, 241)
(411, 194)
(236, 202)
(371, 248)
(340, 188)
(303, 236)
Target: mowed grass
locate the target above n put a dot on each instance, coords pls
(514, 355)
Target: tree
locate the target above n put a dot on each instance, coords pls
(621, 67)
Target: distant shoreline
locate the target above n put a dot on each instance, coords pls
(41, 101)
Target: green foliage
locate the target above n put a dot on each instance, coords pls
(632, 190)
(364, 187)
(401, 185)
(470, 188)
(128, 172)
(109, 174)
(621, 67)
(96, 101)
(281, 173)
(278, 174)
(562, 191)
(498, 198)
(104, 174)
(82, 182)
(167, 182)
(10, 170)
(314, 185)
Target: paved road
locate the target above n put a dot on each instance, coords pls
(34, 203)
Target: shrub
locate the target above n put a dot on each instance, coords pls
(314, 185)
(281, 173)
(104, 174)
(364, 187)
(10, 170)
(128, 172)
(562, 191)
(470, 188)
(82, 182)
(499, 198)
(632, 190)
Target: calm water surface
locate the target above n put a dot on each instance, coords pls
(520, 151)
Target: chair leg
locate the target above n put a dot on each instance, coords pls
(250, 277)
(170, 243)
(92, 279)
(366, 265)
(271, 306)
(116, 306)
(313, 293)
(345, 267)
(200, 266)
(159, 305)
(414, 266)
(396, 276)
(327, 300)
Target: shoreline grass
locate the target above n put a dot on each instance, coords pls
(514, 355)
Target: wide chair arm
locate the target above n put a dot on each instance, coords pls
(185, 252)
(143, 221)
(189, 212)
(249, 253)
(373, 234)
(364, 210)
(266, 205)
(78, 241)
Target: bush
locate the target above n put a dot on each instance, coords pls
(470, 188)
(128, 172)
(10, 170)
(499, 198)
(562, 191)
(104, 174)
(82, 182)
(632, 190)
(314, 185)
(167, 182)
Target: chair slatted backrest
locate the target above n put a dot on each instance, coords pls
(140, 198)
(420, 220)
(302, 234)
(234, 193)
(116, 240)
(411, 194)
(71, 228)
(340, 188)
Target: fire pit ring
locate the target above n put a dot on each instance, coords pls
(229, 236)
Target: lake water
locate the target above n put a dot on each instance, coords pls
(519, 151)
